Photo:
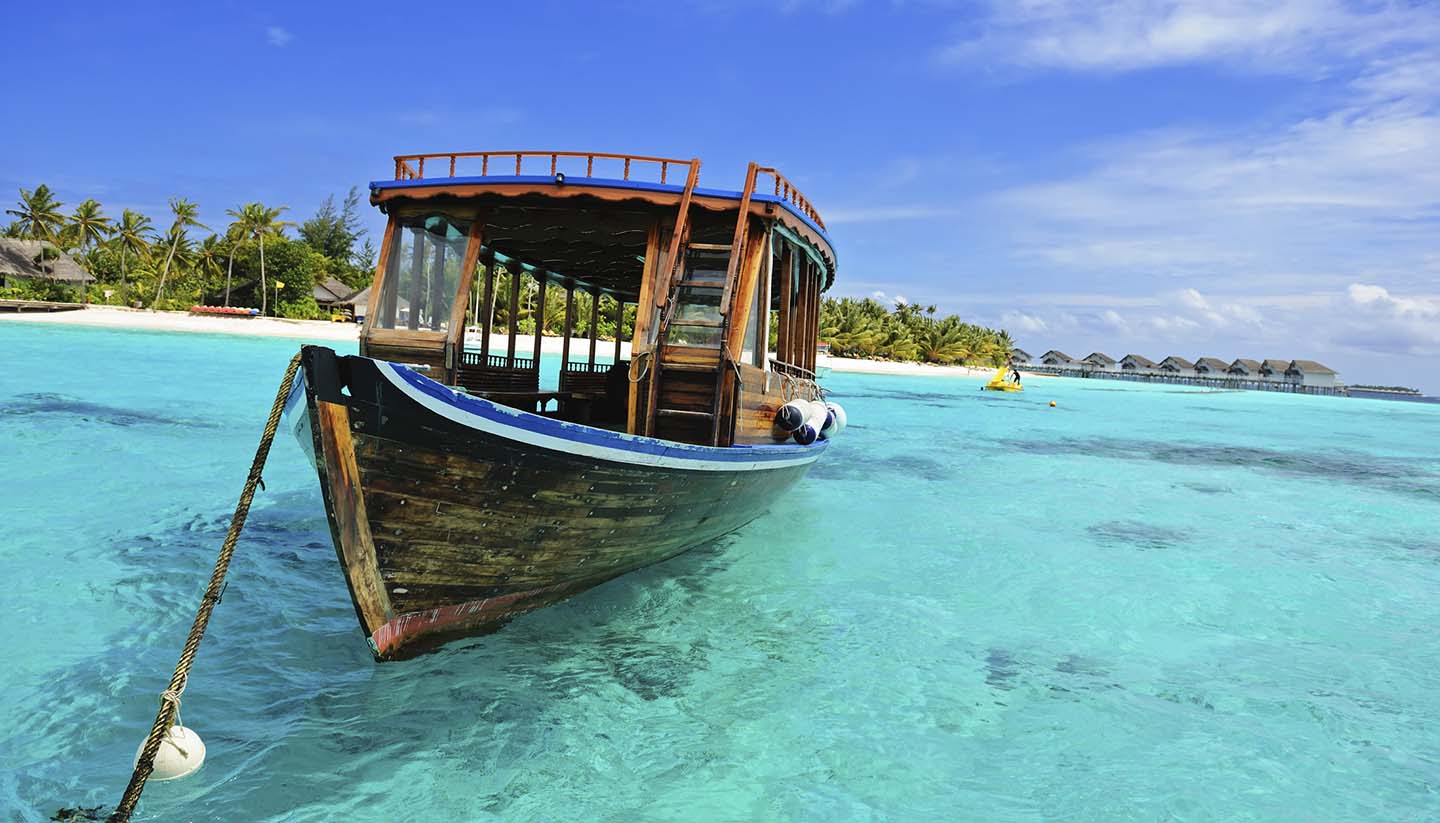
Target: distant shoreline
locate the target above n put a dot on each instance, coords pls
(118, 317)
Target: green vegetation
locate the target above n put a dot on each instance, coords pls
(253, 262)
(867, 329)
(1395, 389)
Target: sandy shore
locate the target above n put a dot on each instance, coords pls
(116, 317)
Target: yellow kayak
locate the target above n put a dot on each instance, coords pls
(999, 383)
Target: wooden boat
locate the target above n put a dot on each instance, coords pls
(459, 492)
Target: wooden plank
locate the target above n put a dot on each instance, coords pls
(377, 286)
(677, 236)
(539, 317)
(487, 303)
(514, 316)
(744, 296)
(787, 296)
(569, 326)
(741, 240)
(644, 316)
(594, 323)
(455, 335)
(691, 356)
(619, 326)
(422, 338)
(351, 523)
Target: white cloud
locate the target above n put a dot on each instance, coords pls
(1343, 193)
(1379, 321)
(278, 36)
(1120, 35)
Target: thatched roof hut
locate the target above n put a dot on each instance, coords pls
(1176, 365)
(1056, 358)
(1137, 362)
(1211, 367)
(21, 260)
(1271, 367)
(1243, 367)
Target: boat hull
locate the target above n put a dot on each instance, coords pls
(451, 514)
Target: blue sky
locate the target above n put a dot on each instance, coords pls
(1226, 178)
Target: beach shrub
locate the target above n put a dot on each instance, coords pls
(39, 288)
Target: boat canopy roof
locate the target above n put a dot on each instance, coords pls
(585, 222)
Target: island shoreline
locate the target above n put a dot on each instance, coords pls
(118, 317)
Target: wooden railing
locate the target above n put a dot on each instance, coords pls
(496, 361)
(785, 190)
(412, 166)
(588, 367)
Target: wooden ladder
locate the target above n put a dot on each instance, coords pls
(681, 273)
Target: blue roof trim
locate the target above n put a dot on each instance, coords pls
(604, 182)
(598, 437)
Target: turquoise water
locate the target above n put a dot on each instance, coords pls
(1146, 603)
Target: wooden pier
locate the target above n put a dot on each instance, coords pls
(37, 305)
(1230, 383)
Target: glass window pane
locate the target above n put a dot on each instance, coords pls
(423, 273)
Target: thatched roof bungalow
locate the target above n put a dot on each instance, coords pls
(1311, 373)
(1020, 357)
(1177, 365)
(1273, 370)
(1137, 364)
(1057, 358)
(22, 260)
(1244, 368)
(1100, 361)
(1211, 367)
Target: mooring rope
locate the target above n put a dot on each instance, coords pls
(170, 698)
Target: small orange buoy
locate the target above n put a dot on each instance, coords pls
(1052, 404)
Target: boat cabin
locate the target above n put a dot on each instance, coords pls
(711, 296)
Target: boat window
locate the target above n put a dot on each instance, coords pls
(757, 326)
(423, 273)
(697, 320)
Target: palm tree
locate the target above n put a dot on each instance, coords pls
(207, 260)
(89, 225)
(131, 235)
(234, 236)
(185, 214)
(259, 221)
(39, 217)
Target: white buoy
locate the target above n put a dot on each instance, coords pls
(181, 753)
(836, 419)
(814, 422)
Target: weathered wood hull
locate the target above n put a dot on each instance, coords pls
(451, 514)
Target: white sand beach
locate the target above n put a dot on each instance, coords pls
(118, 317)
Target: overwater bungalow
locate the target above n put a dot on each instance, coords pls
(1137, 364)
(1244, 369)
(1100, 361)
(1273, 371)
(1211, 368)
(1020, 357)
(1056, 358)
(1175, 366)
(1311, 373)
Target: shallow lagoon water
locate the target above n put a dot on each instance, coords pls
(1150, 602)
